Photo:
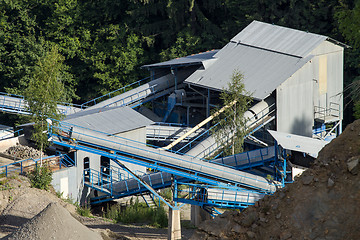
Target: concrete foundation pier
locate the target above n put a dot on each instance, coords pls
(174, 228)
(198, 215)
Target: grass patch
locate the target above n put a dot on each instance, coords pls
(138, 213)
(84, 211)
(5, 185)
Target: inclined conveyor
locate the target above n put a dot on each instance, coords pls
(259, 114)
(138, 153)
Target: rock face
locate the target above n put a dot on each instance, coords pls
(54, 222)
(321, 204)
(353, 165)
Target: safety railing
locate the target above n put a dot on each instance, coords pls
(248, 159)
(64, 128)
(66, 161)
(114, 93)
(17, 104)
(224, 197)
(12, 103)
(322, 113)
(255, 123)
(161, 133)
(115, 184)
(98, 180)
(137, 96)
(147, 162)
(22, 166)
(12, 134)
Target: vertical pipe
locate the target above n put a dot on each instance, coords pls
(187, 115)
(175, 190)
(208, 108)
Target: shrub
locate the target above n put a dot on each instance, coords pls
(84, 211)
(41, 177)
(138, 213)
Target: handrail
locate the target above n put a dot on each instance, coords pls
(323, 112)
(130, 96)
(228, 195)
(20, 105)
(21, 163)
(252, 124)
(12, 134)
(95, 100)
(136, 148)
(67, 126)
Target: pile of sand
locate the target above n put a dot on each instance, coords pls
(54, 222)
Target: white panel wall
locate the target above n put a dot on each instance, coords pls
(294, 101)
(335, 65)
(297, 96)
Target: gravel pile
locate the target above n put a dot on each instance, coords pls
(321, 204)
(54, 222)
(23, 152)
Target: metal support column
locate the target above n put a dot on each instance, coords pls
(174, 72)
(208, 108)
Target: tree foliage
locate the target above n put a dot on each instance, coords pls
(348, 18)
(231, 123)
(104, 43)
(45, 90)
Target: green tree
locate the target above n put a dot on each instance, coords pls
(231, 128)
(348, 19)
(44, 91)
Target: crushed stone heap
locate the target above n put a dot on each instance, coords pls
(323, 203)
(23, 152)
(56, 223)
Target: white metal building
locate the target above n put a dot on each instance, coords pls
(303, 71)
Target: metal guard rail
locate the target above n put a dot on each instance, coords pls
(257, 120)
(18, 103)
(13, 134)
(114, 93)
(90, 145)
(9, 168)
(151, 88)
(67, 127)
(199, 193)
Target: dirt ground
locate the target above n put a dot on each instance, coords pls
(19, 203)
(323, 203)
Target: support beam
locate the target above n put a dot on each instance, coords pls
(199, 125)
(142, 182)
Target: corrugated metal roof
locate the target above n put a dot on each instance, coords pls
(266, 54)
(263, 70)
(188, 60)
(112, 120)
(298, 143)
(278, 39)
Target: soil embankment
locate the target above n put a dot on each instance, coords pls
(321, 204)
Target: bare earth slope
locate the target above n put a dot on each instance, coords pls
(324, 203)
